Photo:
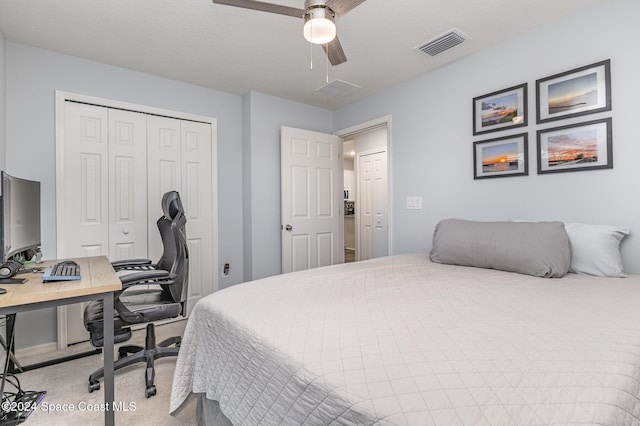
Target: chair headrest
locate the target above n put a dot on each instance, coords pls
(171, 205)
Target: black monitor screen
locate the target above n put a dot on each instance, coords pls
(20, 215)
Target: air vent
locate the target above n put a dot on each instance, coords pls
(338, 88)
(444, 42)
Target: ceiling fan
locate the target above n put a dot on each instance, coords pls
(319, 20)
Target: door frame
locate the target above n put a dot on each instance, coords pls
(384, 121)
(60, 98)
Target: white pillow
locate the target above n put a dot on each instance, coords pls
(595, 249)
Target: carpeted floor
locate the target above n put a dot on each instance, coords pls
(67, 383)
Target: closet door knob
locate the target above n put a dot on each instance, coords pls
(288, 228)
(125, 231)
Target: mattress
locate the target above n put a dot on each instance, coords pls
(401, 340)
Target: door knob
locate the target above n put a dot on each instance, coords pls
(125, 231)
(288, 227)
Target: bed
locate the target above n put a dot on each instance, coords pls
(405, 340)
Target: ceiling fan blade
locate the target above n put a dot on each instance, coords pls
(334, 51)
(263, 7)
(340, 7)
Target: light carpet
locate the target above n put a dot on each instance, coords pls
(67, 383)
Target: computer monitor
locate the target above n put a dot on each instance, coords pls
(20, 211)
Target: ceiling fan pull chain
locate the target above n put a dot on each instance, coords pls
(327, 63)
(311, 56)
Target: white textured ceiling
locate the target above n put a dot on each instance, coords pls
(236, 50)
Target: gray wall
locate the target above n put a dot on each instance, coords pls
(431, 140)
(264, 115)
(34, 74)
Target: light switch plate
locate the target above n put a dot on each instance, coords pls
(414, 203)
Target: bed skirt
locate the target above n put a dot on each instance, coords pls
(210, 414)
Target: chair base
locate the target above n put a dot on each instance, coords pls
(148, 354)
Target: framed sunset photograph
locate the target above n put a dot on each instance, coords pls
(501, 157)
(584, 146)
(584, 90)
(504, 109)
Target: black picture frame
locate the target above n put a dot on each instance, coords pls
(573, 93)
(500, 110)
(501, 157)
(576, 147)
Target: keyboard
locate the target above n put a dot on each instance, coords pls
(63, 271)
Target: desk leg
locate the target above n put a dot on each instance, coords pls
(10, 321)
(109, 418)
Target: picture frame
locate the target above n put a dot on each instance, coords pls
(575, 147)
(501, 157)
(501, 110)
(580, 91)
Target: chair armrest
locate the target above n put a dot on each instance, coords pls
(130, 263)
(143, 277)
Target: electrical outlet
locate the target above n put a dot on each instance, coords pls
(414, 203)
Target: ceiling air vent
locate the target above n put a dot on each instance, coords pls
(338, 88)
(443, 42)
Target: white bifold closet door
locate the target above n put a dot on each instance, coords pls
(116, 165)
(179, 158)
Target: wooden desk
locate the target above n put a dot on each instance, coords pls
(99, 282)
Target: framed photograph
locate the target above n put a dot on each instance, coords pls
(583, 146)
(584, 90)
(501, 157)
(500, 110)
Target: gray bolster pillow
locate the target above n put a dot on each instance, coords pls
(541, 249)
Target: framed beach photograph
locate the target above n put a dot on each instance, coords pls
(504, 109)
(501, 157)
(583, 146)
(584, 90)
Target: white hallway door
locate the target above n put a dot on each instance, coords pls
(114, 166)
(311, 196)
(372, 205)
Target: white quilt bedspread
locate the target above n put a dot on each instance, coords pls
(401, 340)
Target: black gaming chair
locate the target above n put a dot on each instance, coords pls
(149, 303)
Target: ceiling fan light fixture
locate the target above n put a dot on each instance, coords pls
(319, 25)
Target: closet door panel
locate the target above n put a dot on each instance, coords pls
(83, 205)
(164, 172)
(83, 200)
(197, 199)
(128, 185)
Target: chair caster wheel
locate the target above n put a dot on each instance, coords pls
(150, 391)
(94, 386)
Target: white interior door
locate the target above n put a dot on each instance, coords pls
(180, 159)
(83, 214)
(311, 196)
(197, 200)
(164, 170)
(128, 183)
(104, 213)
(372, 205)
